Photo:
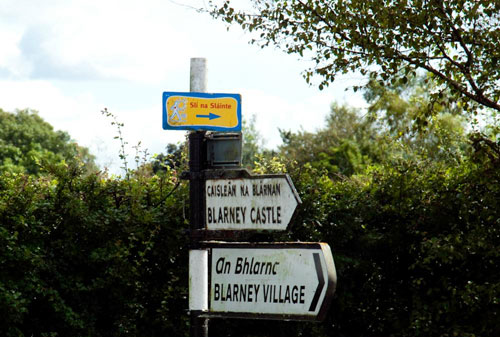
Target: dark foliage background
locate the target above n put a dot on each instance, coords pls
(415, 245)
(86, 255)
(411, 213)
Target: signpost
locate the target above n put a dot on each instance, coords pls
(201, 111)
(293, 281)
(260, 202)
(284, 281)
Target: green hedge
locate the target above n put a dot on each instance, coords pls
(415, 246)
(92, 256)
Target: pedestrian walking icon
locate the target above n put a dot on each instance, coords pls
(177, 111)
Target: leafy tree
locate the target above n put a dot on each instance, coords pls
(175, 158)
(253, 143)
(390, 128)
(398, 112)
(455, 41)
(27, 141)
(344, 146)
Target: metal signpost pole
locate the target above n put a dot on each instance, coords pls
(198, 82)
(284, 281)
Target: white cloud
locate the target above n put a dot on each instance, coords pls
(94, 39)
(70, 58)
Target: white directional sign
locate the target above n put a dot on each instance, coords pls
(271, 281)
(265, 202)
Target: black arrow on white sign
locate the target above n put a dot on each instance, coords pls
(321, 282)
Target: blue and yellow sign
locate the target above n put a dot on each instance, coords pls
(201, 111)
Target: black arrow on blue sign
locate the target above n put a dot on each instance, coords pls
(210, 116)
(321, 284)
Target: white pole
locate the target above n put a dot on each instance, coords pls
(198, 258)
(198, 279)
(198, 78)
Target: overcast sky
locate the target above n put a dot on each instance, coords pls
(69, 59)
